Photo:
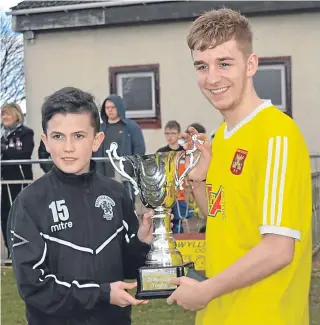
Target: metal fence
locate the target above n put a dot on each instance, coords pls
(315, 164)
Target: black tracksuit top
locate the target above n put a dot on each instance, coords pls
(70, 237)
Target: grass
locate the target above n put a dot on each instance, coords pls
(12, 307)
(315, 298)
(156, 313)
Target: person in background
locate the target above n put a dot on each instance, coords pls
(172, 133)
(16, 143)
(196, 210)
(74, 234)
(180, 210)
(125, 132)
(44, 154)
(199, 127)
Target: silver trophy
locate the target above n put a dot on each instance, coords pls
(157, 180)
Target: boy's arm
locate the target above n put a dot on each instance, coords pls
(37, 285)
(272, 254)
(134, 251)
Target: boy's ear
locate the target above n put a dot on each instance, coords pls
(98, 139)
(44, 139)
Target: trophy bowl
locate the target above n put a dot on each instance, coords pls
(157, 181)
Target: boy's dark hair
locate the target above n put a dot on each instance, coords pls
(200, 128)
(173, 125)
(69, 100)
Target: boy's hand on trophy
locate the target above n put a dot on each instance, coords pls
(120, 297)
(146, 228)
(202, 143)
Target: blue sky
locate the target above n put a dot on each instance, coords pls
(6, 4)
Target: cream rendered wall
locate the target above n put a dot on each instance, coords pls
(81, 58)
(299, 36)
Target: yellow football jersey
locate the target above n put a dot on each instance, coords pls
(259, 182)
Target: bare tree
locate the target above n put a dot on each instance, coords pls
(12, 63)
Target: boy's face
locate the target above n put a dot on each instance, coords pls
(70, 140)
(223, 73)
(172, 136)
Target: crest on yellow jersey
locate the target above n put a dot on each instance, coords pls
(215, 201)
(238, 161)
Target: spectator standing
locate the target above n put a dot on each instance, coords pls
(125, 132)
(16, 143)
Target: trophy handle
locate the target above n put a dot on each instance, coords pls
(193, 161)
(112, 154)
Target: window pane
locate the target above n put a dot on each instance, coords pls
(268, 85)
(137, 93)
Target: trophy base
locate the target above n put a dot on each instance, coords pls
(155, 282)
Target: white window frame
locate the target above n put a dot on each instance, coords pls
(282, 68)
(138, 113)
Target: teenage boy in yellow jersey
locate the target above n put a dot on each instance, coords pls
(255, 188)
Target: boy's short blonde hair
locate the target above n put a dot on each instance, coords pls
(15, 110)
(216, 27)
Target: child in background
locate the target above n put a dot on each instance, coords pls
(180, 210)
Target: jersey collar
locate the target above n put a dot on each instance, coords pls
(75, 179)
(247, 119)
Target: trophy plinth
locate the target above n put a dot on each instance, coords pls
(155, 282)
(164, 261)
(157, 182)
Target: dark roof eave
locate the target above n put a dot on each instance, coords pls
(151, 12)
(58, 6)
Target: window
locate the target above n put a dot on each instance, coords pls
(139, 87)
(273, 81)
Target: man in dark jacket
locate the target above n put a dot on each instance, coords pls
(74, 235)
(125, 132)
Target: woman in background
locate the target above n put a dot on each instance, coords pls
(16, 143)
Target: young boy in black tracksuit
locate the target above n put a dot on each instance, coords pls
(73, 234)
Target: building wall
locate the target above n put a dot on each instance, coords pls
(81, 58)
